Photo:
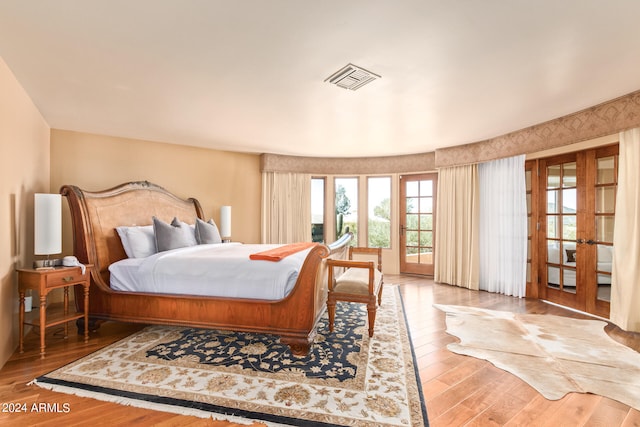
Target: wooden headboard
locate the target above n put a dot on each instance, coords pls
(95, 216)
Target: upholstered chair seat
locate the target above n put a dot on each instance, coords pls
(356, 281)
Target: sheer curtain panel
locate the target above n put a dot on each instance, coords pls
(456, 245)
(625, 288)
(503, 226)
(286, 207)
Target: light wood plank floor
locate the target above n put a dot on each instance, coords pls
(459, 390)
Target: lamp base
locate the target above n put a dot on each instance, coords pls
(47, 264)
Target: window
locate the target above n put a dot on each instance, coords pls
(317, 210)
(346, 204)
(379, 212)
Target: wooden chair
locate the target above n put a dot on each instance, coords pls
(360, 282)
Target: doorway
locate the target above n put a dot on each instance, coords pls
(576, 208)
(418, 200)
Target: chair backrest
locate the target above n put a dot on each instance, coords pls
(369, 252)
(338, 250)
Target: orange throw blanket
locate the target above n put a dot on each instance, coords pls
(277, 254)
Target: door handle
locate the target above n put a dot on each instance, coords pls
(588, 242)
(402, 228)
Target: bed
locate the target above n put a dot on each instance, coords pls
(95, 217)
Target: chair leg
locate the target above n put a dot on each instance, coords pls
(371, 309)
(331, 308)
(380, 294)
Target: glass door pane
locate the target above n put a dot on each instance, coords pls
(419, 222)
(605, 207)
(379, 212)
(317, 210)
(531, 188)
(346, 204)
(562, 222)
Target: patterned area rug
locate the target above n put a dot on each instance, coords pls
(347, 379)
(555, 355)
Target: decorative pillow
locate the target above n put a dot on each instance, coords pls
(190, 231)
(571, 255)
(207, 232)
(138, 241)
(172, 236)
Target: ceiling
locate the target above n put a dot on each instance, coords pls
(249, 75)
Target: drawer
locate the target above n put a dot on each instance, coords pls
(66, 276)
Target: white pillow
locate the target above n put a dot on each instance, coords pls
(138, 241)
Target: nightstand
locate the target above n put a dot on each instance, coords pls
(45, 281)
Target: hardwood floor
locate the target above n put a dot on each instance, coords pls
(459, 390)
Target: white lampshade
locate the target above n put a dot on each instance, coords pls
(225, 222)
(47, 224)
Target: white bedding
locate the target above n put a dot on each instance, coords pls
(222, 270)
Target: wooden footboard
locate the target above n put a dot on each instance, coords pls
(95, 215)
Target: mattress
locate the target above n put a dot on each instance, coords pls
(220, 270)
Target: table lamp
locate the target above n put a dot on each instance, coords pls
(225, 223)
(47, 227)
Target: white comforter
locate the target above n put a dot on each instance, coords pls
(223, 270)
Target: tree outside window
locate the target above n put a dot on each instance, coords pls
(346, 207)
(379, 215)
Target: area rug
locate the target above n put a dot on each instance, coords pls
(347, 379)
(555, 355)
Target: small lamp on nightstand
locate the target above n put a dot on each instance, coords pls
(47, 227)
(225, 223)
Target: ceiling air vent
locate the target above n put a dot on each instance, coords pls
(351, 77)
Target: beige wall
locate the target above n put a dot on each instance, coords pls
(24, 170)
(215, 178)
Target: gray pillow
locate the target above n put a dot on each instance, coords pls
(207, 232)
(172, 236)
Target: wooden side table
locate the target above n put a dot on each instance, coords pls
(45, 281)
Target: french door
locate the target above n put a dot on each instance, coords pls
(576, 207)
(417, 223)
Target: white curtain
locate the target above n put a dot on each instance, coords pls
(456, 244)
(286, 207)
(625, 281)
(503, 226)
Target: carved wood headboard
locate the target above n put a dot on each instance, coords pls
(95, 216)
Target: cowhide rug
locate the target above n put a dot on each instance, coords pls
(555, 355)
